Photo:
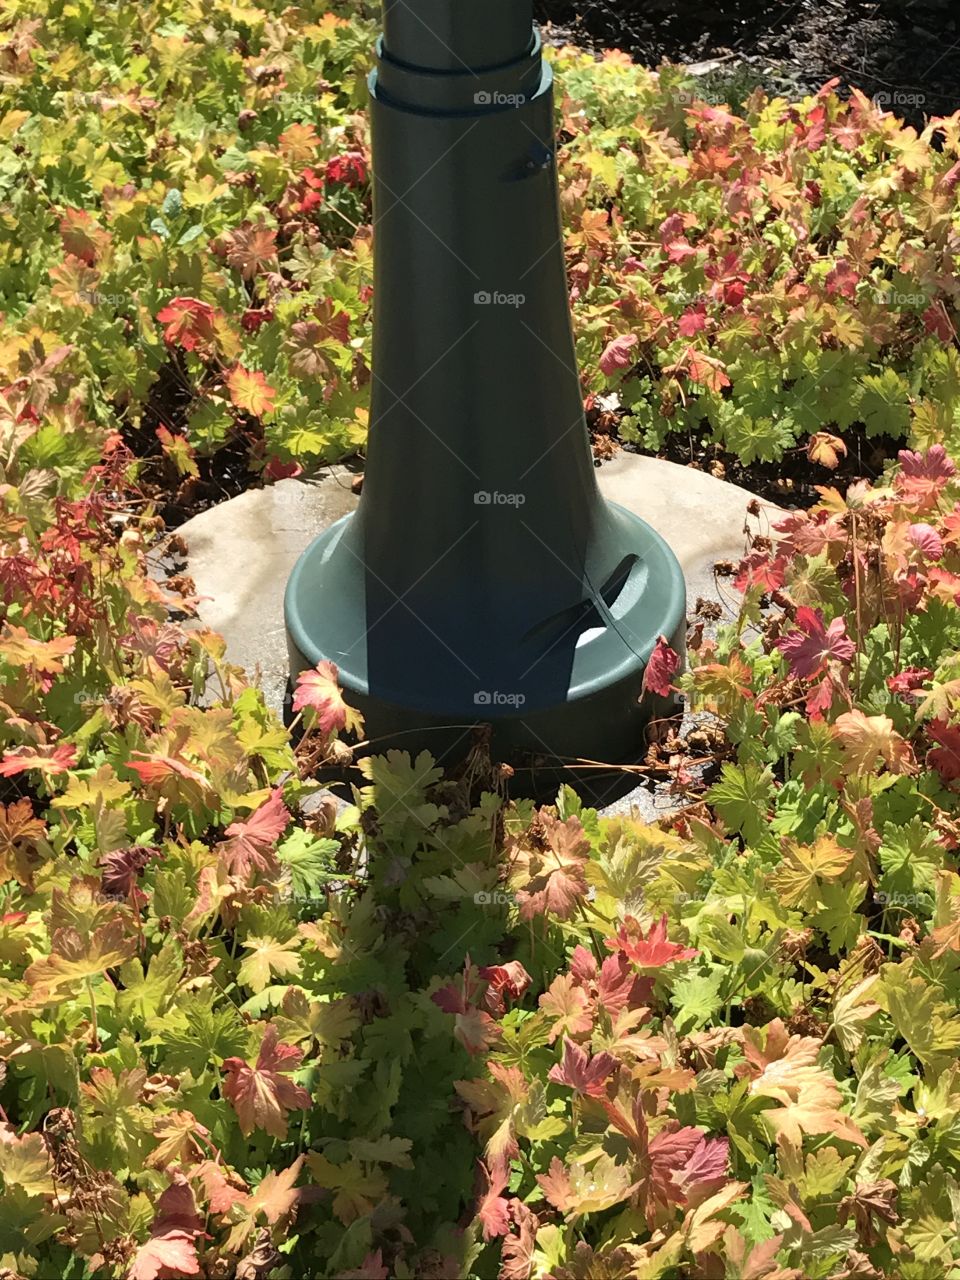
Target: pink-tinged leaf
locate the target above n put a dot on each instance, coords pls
(650, 952)
(171, 1247)
(54, 760)
(494, 1211)
(516, 1252)
(923, 476)
(812, 644)
(262, 1095)
(319, 689)
(704, 1171)
(663, 665)
(937, 321)
(618, 354)
(820, 698)
(552, 879)
(371, 1268)
(583, 964)
(842, 280)
(569, 1007)
(581, 1072)
(222, 1193)
(476, 1031)
(251, 845)
(121, 868)
(173, 1254)
(555, 1185)
(927, 541)
(693, 321)
(619, 986)
(674, 240)
(705, 370)
(945, 756)
(909, 681)
(504, 982)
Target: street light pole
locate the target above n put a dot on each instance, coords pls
(482, 578)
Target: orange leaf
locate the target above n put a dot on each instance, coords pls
(250, 391)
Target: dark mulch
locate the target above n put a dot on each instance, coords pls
(223, 475)
(907, 50)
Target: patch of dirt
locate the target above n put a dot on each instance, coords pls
(224, 475)
(904, 52)
(791, 482)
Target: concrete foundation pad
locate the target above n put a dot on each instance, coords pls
(240, 554)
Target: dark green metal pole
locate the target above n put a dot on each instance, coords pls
(483, 578)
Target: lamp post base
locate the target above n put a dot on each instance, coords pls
(573, 692)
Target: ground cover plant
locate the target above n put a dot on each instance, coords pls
(439, 1033)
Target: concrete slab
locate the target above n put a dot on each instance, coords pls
(240, 555)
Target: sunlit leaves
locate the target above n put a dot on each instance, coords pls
(264, 1094)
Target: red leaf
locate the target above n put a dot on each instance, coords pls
(618, 354)
(758, 570)
(842, 280)
(693, 321)
(262, 1095)
(923, 476)
(47, 759)
(504, 982)
(662, 666)
(277, 470)
(812, 645)
(652, 952)
(909, 681)
(945, 757)
(936, 321)
(581, 1072)
(188, 322)
(251, 845)
(349, 169)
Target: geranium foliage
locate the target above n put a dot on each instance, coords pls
(436, 1033)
